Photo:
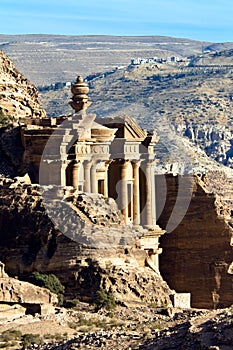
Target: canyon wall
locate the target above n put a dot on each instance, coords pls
(197, 253)
(215, 140)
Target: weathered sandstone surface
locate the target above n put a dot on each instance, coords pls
(87, 257)
(152, 329)
(211, 330)
(197, 254)
(20, 292)
(216, 141)
(18, 297)
(19, 98)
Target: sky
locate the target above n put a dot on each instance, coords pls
(206, 20)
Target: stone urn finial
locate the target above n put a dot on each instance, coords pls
(80, 90)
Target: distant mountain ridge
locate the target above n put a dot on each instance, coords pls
(46, 59)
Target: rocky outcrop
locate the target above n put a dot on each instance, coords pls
(216, 141)
(20, 292)
(197, 252)
(19, 98)
(13, 159)
(90, 204)
(52, 232)
(205, 331)
(31, 297)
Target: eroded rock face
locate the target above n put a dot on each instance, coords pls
(19, 98)
(216, 141)
(211, 330)
(15, 291)
(13, 159)
(197, 254)
(94, 256)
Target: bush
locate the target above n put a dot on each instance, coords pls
(105, 300)
(50, 282)
(31, 339)
(71, 303)
(5, 119)
(10, 335)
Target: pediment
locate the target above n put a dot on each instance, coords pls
(126, 127)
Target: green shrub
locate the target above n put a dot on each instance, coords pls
(50, 282)
(31, 339)
(10, 335)
(105, 300)
(5, 119)
(71, 303)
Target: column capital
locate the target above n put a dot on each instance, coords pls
(124, 163)
(75, 162)
(136, 163)
(87, 163)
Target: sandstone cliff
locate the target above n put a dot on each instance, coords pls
(20, 292)
(31, 298)
(87, 257)
(215, 140)
(18, 97)
(197, 254)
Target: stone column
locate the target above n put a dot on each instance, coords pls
(106, 180)
(94, 188)
(63, 173)
(123, 194)
(153, 196)
(148, 217)
(87, 178)
(136, 194)
(75, 175)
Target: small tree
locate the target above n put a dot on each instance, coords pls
(105, 300)
(50, 282)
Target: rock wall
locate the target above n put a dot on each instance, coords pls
(101, 255)
(216, 141)
(13, 157)
(197, 254)
(14, 291)
(18, 97)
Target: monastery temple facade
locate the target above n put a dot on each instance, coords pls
(112, 156)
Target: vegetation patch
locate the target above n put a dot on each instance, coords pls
(49, 281)
(5, 119)
(105, 300)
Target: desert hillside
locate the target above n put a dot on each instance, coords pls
(47, 59)
(18, 96)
